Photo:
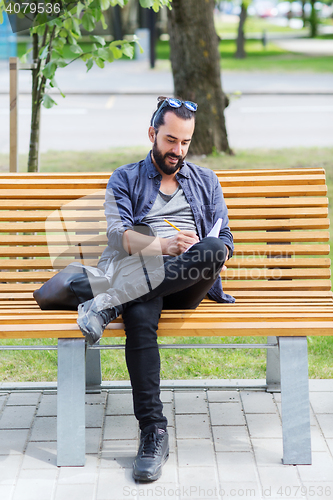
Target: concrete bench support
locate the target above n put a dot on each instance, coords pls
(71, 402)
(93, 371)
(295, 400)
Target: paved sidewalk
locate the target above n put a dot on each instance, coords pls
(224, 444)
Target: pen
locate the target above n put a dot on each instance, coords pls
(171, 224)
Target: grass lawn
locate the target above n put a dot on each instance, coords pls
(271, 58)
(177, 364)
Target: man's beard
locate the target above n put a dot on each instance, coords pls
(160, 160)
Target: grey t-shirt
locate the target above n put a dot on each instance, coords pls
(173, 207)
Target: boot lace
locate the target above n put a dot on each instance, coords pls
(151, 445)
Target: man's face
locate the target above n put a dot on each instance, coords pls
(171, 142)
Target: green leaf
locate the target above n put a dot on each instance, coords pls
(105, 4)
(103, 53)
(49, 70)
(116, 51)
(99, 62)
(146, 3)
(128, 50)
(88, 22)
(79, 9)
(48, 102)
(104, 25)
(68, 23)
(76, 49)
(89, 64)
(98, 39)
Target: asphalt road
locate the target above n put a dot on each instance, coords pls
(100, 122)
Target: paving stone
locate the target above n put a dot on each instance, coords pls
(240, 490)
(236, 466)
(321, 385)
(44, 429)
(80, 475)
(192, 426)
(94, 415)
(258, 402)
(330, 444)
(322, 490)
(121, 427)
(172, 439)
(32, 485)
(231, 438)
(198, 482)
(6, 491)
(326, 424)
(3, 399)
(40, 455)
(322, 402)
(23, 398)
(118, 453)
(12, 442)
(318, 442)
(166, 396)
(75, 492)
(93, 440)
(223, 396)
(226, 414)
(168, 412)
(97, 399)
(17, 417)
(268, 451)
(9, 468)
(117, 484)
(195, 452)
(267, 426)
(190, 402)
(120, 404)
(159, 489)
(48, 406)
(279, 479)
(320, 470)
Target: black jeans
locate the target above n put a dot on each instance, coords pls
(188, 278)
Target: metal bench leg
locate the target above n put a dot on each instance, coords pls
(71, 403)
(93, 371)
(273, 377)
(295, 400)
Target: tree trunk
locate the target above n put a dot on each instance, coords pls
(240, 52)
(35, 113)
(313, 20)
(195, 61)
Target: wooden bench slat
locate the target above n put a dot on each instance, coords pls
(299, 284)
(278, 236)
(279, 202)
(275, 191)
(88, 227)
(271, 171)
(234, 263)
(278, 213)
(279, 249)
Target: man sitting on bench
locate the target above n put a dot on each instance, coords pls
(159, 211)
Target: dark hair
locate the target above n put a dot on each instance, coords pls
(182, 112)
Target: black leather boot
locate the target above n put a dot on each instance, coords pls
(153, 453)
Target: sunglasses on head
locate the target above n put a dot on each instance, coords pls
(174, 103)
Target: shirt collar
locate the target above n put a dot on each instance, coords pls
(153, 172)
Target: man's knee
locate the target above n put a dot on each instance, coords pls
(214, 250)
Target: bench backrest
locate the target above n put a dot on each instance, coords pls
(279, 219)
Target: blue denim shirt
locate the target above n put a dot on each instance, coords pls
(131, 193)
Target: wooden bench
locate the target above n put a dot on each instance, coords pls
(279, 274)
